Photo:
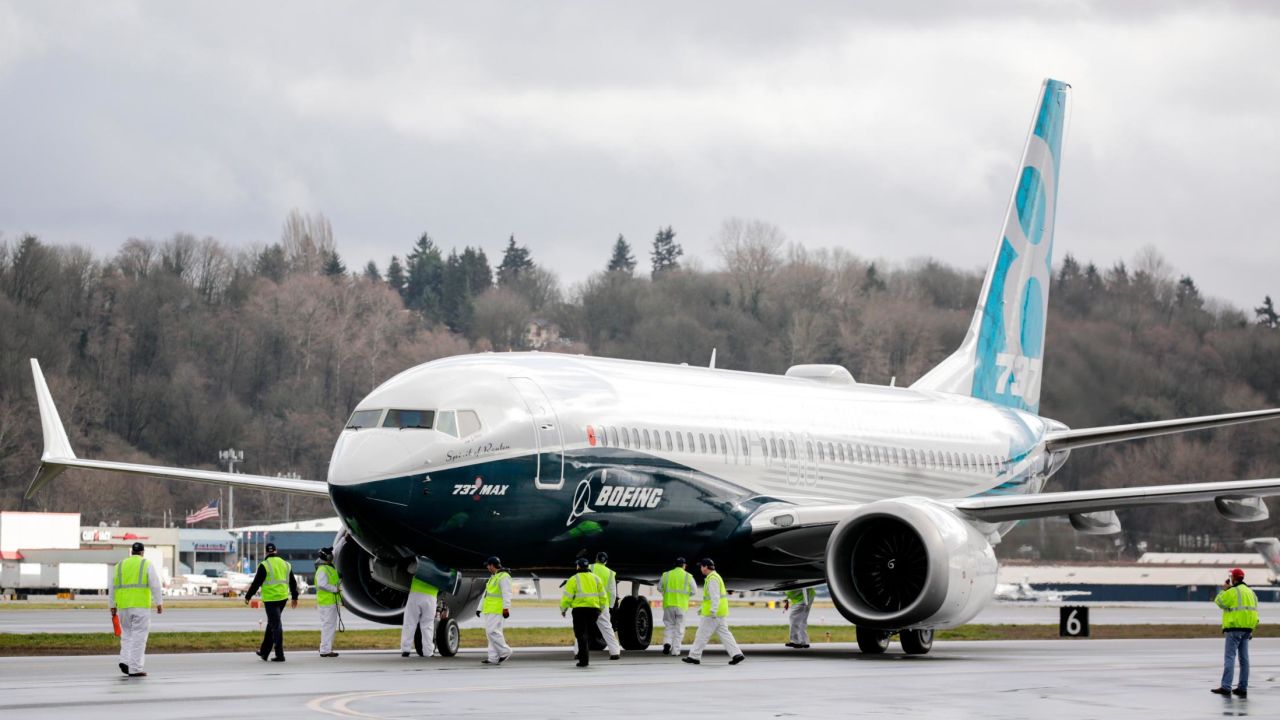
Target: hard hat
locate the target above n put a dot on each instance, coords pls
(582, 563)
(136, 548)
(602, 557)
(707, 563)
(1237, 573)
(493, 560)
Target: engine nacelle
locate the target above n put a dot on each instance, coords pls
(909, 563)
(376, 590)
(365, 590)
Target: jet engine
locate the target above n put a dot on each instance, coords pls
(362, 592)
(909, 563)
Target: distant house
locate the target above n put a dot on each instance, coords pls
(540, 333)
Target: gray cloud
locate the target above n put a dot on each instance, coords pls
(893, 133)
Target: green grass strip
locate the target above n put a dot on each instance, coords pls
(12, 644)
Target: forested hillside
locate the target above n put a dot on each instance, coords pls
(169, 351)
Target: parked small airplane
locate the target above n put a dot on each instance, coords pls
(1022, 591)
(893, 496)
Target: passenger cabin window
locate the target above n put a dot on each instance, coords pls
(669, 445)
(711, 440)
(647, 444)
(746, 449)
(468, 423)
(410, 419)
(447, 423)
(361, 419)
(635, 438)
(680, 440)
(702, 442)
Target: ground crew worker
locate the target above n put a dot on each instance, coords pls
(275, 577)
(677, 586)
(715, 617)
(328, 595)
(585, 594)
(604, 622)
(419, 616)
(798, 604)
(1239, 617)
(135, 584)
(495, 609)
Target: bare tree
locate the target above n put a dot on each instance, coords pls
(307, 241)
(750, 252)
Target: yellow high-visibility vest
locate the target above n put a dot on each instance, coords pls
(131, 585)
(677, 587)
(493, 593)
(722, 607)
(584, 590)
(276, 586)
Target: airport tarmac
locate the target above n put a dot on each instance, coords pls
(241, 618)
(1077, 679)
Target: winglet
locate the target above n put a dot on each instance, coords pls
(56, 445)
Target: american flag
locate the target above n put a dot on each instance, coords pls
(204, 513)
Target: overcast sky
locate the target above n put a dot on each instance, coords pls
(892, 132)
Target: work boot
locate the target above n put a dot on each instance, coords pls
(262, 656)
(666, 649)
(404, 654)
(124, 668)
(691, 661)
(329, 654)
(737, 659)
(278, 658)
(614, 657)
(1240, 692)
(503, 659)
(581, 664)
(1221, 691)
(137, 674)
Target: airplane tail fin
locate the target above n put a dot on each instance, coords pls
(1001, 357)
(1269, 549)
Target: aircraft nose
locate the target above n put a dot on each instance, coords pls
(364, 454)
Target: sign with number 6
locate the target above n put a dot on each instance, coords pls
(1073, 621)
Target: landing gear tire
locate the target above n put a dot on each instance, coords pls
(872, 641)
(448, 637)
(916, 642)
(634, 622)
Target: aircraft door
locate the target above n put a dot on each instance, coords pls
(548, 439)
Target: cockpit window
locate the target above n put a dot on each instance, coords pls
(363, 419)
(409, 419)
(468, 423)
(447, 423)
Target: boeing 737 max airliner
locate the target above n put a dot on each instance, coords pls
(893, 496)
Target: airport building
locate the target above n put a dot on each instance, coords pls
(295, 541)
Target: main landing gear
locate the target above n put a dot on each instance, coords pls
(873, 641)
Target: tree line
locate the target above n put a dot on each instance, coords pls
(168, 351)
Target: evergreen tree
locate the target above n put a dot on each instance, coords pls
(666, 252)
(271, 263)
(1266, 314)
(871, 281)
(515, 262)
(466, 276)
(1187, 295)
(395, 276)
(622, 259)
(333, 265)
(425, 277)
(371, 272)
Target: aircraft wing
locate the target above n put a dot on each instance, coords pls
(1086, 437)
(801, 531)
(58, 456)
(1002, 508)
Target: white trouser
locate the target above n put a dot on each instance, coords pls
(419, 612)
(135, 624)
(799, 616)
(328, 626)
(709, 625)
(673, 628)
(605, 624)
(498, 647)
